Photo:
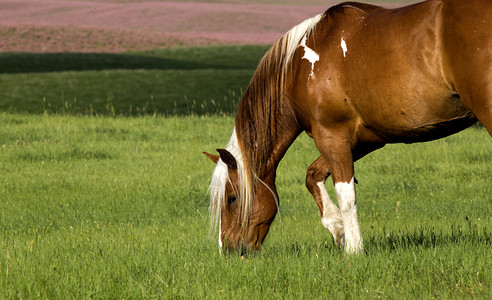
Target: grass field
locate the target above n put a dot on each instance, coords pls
(171, 81)
(110, 202)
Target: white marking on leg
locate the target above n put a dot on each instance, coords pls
(346, 199)
(344, 47)
(310, 55)
(332, 218)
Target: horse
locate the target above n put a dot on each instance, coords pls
(354, 78)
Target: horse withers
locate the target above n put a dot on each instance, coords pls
(354, 79)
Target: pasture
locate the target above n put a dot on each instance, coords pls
(177, 81)
(103, 191)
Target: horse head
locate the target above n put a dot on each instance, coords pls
(243, 224)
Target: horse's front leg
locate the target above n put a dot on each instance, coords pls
(337, 153)
(345, 190)
(331, 218)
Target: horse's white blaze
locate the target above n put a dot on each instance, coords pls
(344, 47)
(331, 219)
(346, 199)
(309, 54)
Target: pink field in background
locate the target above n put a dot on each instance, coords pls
(123, 25)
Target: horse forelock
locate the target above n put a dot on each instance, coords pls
(220, 178)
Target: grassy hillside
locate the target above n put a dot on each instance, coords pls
(172, 81)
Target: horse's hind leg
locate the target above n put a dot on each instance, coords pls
(331, 218)
(467, 44)
(476, 93)
(478, 99)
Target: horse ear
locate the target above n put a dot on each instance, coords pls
(228, 159)
(213, 157)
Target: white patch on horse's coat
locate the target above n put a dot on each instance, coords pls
(310, 55)
(344, 47)
(331, 219)
(291, 40)
(346, 199)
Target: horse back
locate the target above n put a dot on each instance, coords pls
(388, 71)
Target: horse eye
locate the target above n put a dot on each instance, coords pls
(231, 199)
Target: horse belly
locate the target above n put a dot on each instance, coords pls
(418, 121)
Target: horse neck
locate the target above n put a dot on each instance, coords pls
(266, 122)
(265, 138)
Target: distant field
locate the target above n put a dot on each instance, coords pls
(122, 26)
(103, 207)
(170, 81)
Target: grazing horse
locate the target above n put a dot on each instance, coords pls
(354, 79)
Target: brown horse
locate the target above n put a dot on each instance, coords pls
(354, 78)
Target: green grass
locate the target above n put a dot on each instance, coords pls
(203, 80)
(104, 207)
(103, 191)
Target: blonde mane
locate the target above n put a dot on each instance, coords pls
(256, 128)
